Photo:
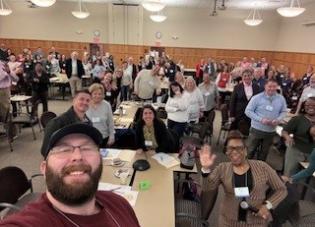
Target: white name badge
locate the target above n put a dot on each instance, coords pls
(284, 84)
(294, 98)
(108, 93)
(241, 192)
(148, 143)
(309, 95)
(207, 94)
(27, 66)
(269, 108)
(171, 71)
(96, 119)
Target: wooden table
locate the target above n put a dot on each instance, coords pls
(61, 81)
(19, 99)
(124, 121)
(155, 206)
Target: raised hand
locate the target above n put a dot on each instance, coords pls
(207, 158)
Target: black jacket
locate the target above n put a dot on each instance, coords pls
(38, 84)
(164, 139)
(81, 71)
(239, 100)
(67, 118)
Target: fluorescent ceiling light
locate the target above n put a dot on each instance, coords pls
(153, 6)
(5, 9)
(43, 3)
(291, 11)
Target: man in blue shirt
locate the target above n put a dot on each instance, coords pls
(265, 110)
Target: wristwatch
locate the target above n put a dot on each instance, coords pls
(268, 205)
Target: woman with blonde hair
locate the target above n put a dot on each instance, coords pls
(100, 113)
(196, 103)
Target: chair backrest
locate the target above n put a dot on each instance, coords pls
(46, 117)
(14, 184)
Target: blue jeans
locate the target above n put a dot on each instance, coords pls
(178, 127)
(124, 93)
(308, 171)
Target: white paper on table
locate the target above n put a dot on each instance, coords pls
(122, 190)
(124, 155)
(117, 112)
(166, 160)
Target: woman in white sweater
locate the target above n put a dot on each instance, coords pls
(176, 108)
(196, 103)
(100, 113)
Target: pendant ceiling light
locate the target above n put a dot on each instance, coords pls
(82, 13)
(254, 18)
(5, 9)
(158, 17)
(292, 11)
(153, 6)
(43, 3)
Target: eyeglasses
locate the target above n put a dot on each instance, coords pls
(66, 150)
(238, 149)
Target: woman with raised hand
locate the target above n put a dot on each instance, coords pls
(245, 184)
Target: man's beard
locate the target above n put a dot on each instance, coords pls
(75, 193)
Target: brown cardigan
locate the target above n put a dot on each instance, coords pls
(264, 177)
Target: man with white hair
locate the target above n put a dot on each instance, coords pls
(74, 71)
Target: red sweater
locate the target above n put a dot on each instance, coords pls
(42, 214)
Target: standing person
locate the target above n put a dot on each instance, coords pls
(75, 114)
(196, 104)
(126, 82)
(147, 84)
(259, 78)
(210, 96)
(308, 91)
(62, 63)
(266, 110)
(199, 71)
(306, 77)
(100, 113)
(6, 78)
(74, 71)
(245, 182)
(98, 71)
(311, 167)
(176, 108)
(72, 168)
(223, 81)
(39, 81)
(299, 147)
(241, 95)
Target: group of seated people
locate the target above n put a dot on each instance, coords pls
(257, 105)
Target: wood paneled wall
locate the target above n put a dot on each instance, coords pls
(298, 62)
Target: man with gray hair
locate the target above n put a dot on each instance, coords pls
(74, 71)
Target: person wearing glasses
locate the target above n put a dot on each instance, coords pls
(245, 184)
(72, 168)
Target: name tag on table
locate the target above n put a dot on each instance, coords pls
(108, 93)
(241, 192)
(96, 119)
(207, 94)
(269, 108)
(148, 143)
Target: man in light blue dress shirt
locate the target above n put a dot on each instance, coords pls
(265, 110)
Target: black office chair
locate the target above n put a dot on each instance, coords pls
(192, 213)
(14, 185)
(225, 124)
(46, 117)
